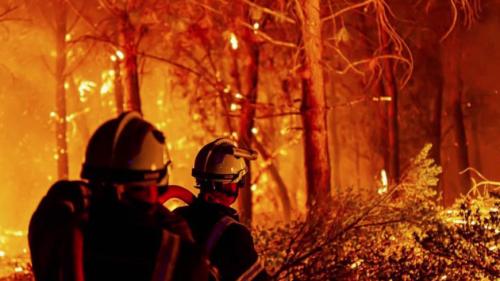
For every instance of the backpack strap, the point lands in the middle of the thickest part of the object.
(214, 237)
(252, 271)
(217, 232)
(167, 256)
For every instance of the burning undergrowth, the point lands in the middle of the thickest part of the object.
(401, 234)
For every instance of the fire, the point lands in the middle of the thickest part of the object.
(234, 107)
(356, 264)
(120, 54)
(383, 179)
(85, 87)
(107, 77)
(233, 40)
(256, 27)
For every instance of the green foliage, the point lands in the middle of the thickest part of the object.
(400, 235)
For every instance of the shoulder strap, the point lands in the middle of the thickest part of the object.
(217, 232)
(167, 256)
(252, 271)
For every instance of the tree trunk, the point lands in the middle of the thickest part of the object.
(435, 70)
(437, 117)
(390, 90)
(118, 87)
(60, 77)
(128, 45)
(246, 125)
(313, 108)
(437, 127)
(476, 133)
(336, 149)
(453, 91)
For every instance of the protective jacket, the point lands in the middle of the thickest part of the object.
(78, 234)
(228, 243)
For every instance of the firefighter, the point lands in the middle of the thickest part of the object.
(220, 171)
(111, 226)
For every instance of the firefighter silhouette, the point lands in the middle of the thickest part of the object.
(110, 225)
(220, 171)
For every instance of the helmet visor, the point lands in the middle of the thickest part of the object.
(229, 189)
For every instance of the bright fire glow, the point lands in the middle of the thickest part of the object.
(356, 264)
(84, 87)
(383, 98)
(383, 179)
(108, 81)
(234, 107)
(233, 40)
(120, 54)
(256, 26)
(17, 233)
(255, 130)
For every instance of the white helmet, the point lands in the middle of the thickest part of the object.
(221, 162)
(126, 149)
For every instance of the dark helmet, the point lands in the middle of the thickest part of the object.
(126, 149)
(221, 162)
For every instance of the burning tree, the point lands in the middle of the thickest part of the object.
(62, 22)
(217, 55)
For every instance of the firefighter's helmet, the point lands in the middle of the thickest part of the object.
(126, 149)
(221, 162)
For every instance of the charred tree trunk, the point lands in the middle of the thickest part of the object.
(475, 128)
(60, 77)
(437, 117)
(390, 90)
(453, 91)
(246, 125)
(128, 45)
(437, 127)
(313, 108)
(336, 151)
(118, 87)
